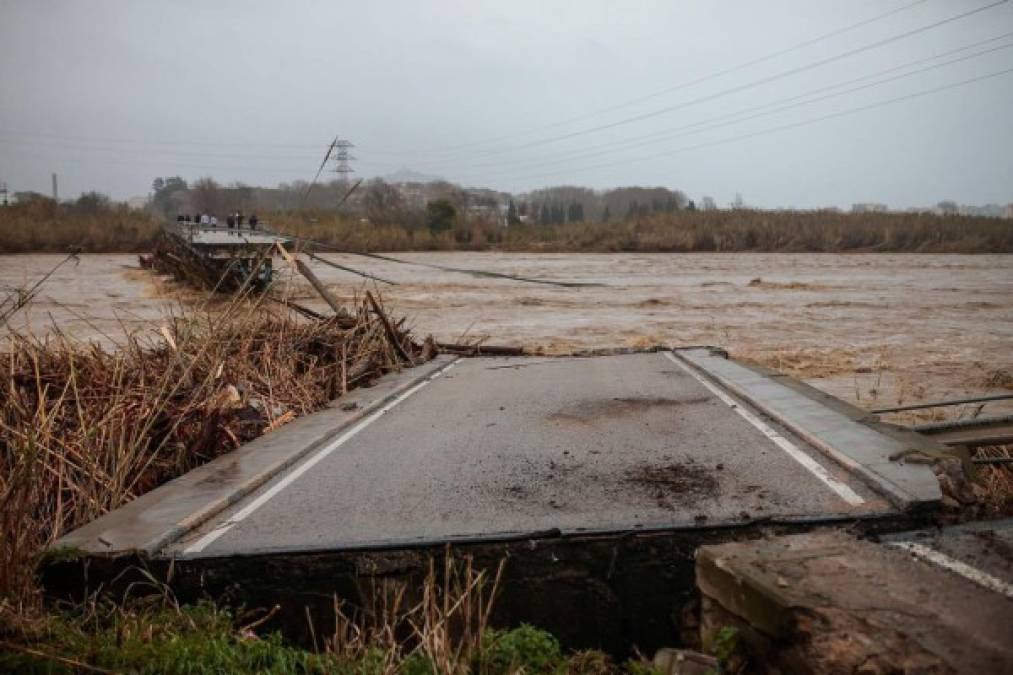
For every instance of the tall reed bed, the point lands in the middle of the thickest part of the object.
(85, 428)
(44, 226)
(682, 231)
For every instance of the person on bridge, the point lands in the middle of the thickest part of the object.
(205, 219)
(253, 221)
(230, 221)
(214, 221)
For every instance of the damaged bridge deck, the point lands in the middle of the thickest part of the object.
(497, 450)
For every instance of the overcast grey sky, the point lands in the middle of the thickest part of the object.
(510, 95)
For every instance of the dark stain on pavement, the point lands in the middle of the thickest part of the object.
(589, 411)
(682, 484)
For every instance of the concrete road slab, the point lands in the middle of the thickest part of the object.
(868, 448)
(505, 447)
(930, 601)
(985, 547)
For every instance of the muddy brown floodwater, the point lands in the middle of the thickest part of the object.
(869, 328)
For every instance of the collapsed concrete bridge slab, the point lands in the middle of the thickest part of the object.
(597, 477)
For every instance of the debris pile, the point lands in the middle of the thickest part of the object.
(84, 428)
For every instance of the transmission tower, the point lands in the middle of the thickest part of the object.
(342, 158)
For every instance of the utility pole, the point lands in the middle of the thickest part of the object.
(341, 159)
(56, 194)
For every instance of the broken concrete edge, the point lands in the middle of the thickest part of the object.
(871, 474)
(831, 600)
(972, 527)
(871, 524)
(546, 582)
(592, 352)
(146, 525)
(740, 595)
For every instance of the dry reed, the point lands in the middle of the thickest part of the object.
(85, 429)
(42, 225)
(683, 231)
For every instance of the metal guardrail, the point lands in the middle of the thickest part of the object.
(943, 404)
(954, 425)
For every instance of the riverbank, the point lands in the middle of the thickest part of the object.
(44, 226)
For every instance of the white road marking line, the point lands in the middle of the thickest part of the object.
(963, 569)
(843, 490)
(308, 464)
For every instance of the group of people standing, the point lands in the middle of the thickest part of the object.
(232, 221)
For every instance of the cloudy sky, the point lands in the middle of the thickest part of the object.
(788, 102)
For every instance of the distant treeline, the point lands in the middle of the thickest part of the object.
(97, 225)
(678, 231)
(91, 222)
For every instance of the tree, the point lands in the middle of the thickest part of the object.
(206, 196)
(738, 203)
(606, 215)
(440, 215)
(948, 207)
(574, 212)
(165, 193)
(708, 204)
(382, 202)
(558, 214)
(544, 216)
(691, 206)
(512, 217)
(91, 202)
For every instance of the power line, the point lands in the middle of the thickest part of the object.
(750, 85)
(696, 81)
(634, 101)
(139, 141)
(147, 152)
(815, 120)
(737, 117)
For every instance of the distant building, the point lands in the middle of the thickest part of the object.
(869, 207)
(1008, 213)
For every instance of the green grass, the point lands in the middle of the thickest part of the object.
(201, 639)
(192, 640)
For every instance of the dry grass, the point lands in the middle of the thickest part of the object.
(84, 429)
(42, 225)
(444, 621)
(995, 482)
(743, 230)
(803, 363)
